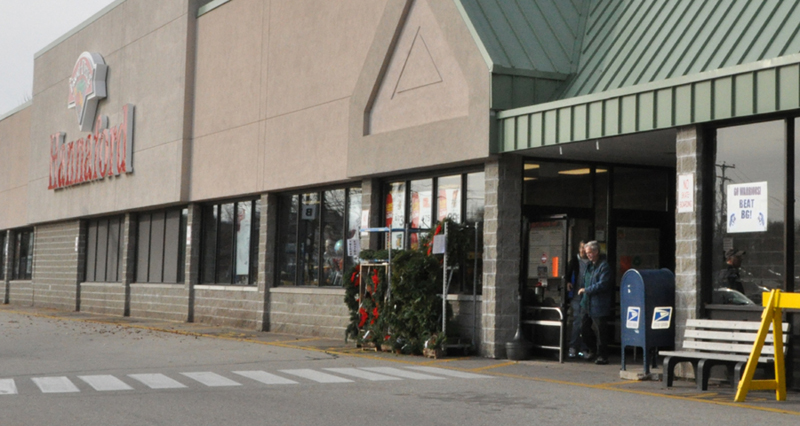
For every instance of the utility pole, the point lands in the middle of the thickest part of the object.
(723, 204)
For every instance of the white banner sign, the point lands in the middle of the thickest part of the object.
(686, 193)
(354, 247)
(747, 207)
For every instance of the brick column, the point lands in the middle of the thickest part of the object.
(128, 258)
(371, 202)
(688, 234)
(502, 253)
(267, 242)
(6, 265)
(191, 274)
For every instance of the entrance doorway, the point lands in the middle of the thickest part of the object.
(628, 210)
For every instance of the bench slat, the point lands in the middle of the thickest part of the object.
(726, 347)
(730, 336)
(728, 325)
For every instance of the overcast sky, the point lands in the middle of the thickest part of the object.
(27, 26)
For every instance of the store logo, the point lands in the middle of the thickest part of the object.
(633, 317)
(87, 86)
(108, 151)
(662, 317)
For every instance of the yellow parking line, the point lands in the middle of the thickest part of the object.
(313, 339)
(619, 383)
(489, 367)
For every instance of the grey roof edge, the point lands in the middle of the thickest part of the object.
(208, 7)
(656, 85)
(16, 110)
(475, 37)
(80, 26)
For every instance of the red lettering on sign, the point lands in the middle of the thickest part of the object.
(106, 153)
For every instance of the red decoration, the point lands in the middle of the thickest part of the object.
(364, 315)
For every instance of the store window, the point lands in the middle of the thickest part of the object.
(313, 228)
(161, 246)
(749, 212)
(437, 197)
(104, 249)
(22, 269)
(229, 246)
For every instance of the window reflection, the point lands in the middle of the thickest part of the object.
(353, 222)
(230, 243)
(313, 229)
(431, 200)
(476, 192)
(748, 212)
(421, 208)
(333, 236)
(287, 239)
(449, 198)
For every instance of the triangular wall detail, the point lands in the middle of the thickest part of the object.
(422, 82)
(419, 69)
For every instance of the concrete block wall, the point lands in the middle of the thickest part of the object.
(228, 306)
(308, 311)
(169, 302)
(20, 293)
(688, 232)
(103, 298)
(501, 254)
(58, 252)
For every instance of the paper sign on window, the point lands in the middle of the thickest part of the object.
(686, 193)
(746, 207)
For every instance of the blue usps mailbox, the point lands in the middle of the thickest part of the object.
(647, 309)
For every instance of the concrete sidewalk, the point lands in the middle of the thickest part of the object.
(570, 373)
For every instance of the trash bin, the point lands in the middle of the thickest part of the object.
(647, 308)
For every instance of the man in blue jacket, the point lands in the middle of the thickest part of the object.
(599, 290)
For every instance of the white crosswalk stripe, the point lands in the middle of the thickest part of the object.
(157, 381)
(266, 378)
(55, 384)
(450, 373)
(316, 376)
(8, 387)
(402, 373)
(361, 374)
(211, 379)
(105, 382)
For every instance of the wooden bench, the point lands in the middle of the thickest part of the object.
(719, 342)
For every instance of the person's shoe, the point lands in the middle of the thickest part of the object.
(588, 356)
(572, 353)
(601, 360)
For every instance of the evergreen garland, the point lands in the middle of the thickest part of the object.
(413, 315)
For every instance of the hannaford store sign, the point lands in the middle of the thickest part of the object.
(106, 152)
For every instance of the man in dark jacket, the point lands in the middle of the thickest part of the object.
(581, 322)
(599, 290)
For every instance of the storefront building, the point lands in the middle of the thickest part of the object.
(204, 161)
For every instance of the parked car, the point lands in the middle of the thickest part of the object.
(726, 296)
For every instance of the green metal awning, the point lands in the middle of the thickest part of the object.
(762, 87)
